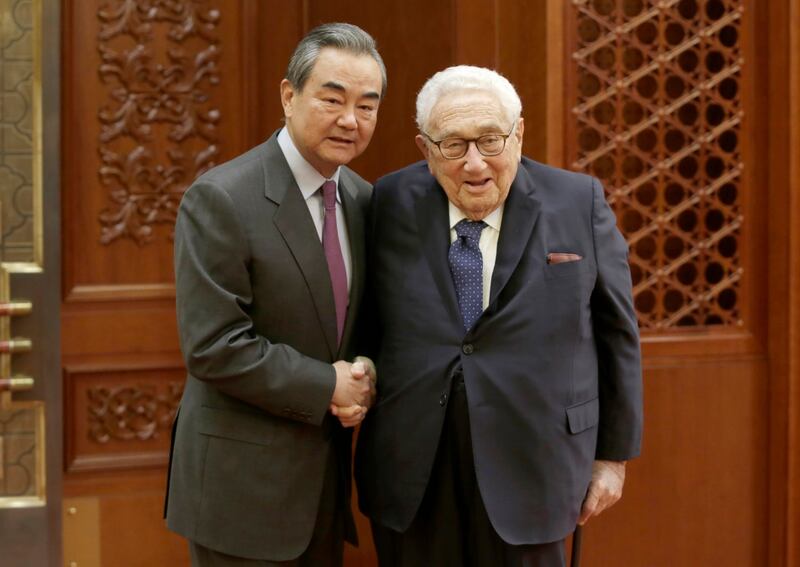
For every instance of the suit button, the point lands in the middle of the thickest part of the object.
(443, 400)
(467, 348)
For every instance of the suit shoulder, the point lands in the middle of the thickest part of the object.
(549, 174)
(230, 175)
(560, 183)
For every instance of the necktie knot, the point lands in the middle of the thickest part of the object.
(329, 194)
(470, 229)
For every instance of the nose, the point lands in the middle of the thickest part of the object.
(347, 119)
(474, 159)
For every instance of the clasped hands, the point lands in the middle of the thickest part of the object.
(355, 390)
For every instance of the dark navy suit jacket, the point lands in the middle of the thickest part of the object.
(552, 367)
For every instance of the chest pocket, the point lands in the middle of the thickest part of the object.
(565, 269)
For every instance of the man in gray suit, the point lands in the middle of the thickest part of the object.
(510, 390)
(269, 264)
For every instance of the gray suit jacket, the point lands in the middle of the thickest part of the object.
(257, 327)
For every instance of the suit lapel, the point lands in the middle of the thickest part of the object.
(355, 232)
(520, 214)
(295, 225)
(434, 228)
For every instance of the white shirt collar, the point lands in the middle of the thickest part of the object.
(493, 219)
(308, 179)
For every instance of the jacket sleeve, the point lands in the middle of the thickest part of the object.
(617, 338)
(217, 336)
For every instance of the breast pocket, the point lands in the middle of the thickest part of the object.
(565, 269)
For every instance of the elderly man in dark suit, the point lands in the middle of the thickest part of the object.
(269, 264)
(510, 389)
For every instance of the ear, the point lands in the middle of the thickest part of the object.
(423, 146)
(287, 97)
(518, 133)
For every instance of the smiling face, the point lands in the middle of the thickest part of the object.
(475, 183)
(331, 120)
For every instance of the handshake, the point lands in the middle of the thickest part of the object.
(355, 390)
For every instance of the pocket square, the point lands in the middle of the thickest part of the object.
(561, 257)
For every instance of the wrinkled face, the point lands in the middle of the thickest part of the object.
(331, 120)
(475, 183)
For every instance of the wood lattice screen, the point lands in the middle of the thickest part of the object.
(656, 115)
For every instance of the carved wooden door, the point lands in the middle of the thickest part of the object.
(153, 95)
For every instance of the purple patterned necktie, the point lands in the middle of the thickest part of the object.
(333, 254)
(466, 266)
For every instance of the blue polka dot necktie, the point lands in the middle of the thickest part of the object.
(466, 266)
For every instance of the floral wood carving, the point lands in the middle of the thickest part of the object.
(158, 128)
(132, 412)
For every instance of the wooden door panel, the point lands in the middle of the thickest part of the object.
(153, 96)
(696, 496)
(120, 417)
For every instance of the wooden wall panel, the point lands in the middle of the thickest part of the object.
(120, 416)
(109, 328)
(136, 540)
(703, 490)
(125, 508)
(145, 112)
(779, 82)
(697, 496)
(415, 39)
(793, 334)
(522, 51)
(153, 93)
(138, 513)
(270, 30)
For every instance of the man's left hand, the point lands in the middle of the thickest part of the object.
(366, 369)
(362, 369)
(608, 478)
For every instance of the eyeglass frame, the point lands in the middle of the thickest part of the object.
(471, 140)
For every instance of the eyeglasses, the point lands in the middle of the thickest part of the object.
(488, 145)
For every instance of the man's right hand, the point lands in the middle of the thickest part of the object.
(359, 385)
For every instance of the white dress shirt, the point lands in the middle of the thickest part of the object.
(488, 243)
(309, 180)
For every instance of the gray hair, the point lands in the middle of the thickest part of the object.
(346, 37)
(466, 77)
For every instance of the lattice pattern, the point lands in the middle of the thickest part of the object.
(18, 434)
(16, 125)
(658, 119)
(159, 109)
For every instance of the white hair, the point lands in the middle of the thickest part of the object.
(466, 77)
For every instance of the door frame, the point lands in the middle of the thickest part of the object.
(32, 536)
